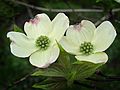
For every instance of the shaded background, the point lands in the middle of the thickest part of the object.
(12, 69)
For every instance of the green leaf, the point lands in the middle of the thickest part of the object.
(44, 87)
(17, 29)
(52, 71)
(52, 84)
(84, 69)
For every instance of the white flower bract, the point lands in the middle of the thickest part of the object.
(87, 42)
(40, 40)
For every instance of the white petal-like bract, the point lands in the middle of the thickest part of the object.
(89, 29)
(94, 58)
(40, 25)
(59, 25)
(43, 59)
(69, 45)
(104, 36)
(21, 46)
(20, 51)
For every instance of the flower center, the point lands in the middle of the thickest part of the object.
(43, 42)
(86, 48)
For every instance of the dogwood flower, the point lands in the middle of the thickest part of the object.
(87, 42)
(39, 42)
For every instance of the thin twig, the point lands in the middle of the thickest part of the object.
(102, 80)
(55, 10)
(88, 86)
(20, 80)
(99, 73)
(77, 14)
(116, 10)
(108, 16)
(26, 76)
(101, 20)
(29, 12)
(105, 78)
(117, 21)
(60, 10)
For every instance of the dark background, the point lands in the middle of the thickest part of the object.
(12, 69)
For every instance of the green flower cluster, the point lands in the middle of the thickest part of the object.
(86, 48)
(43, 42)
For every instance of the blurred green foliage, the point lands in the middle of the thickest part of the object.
(13, 68)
